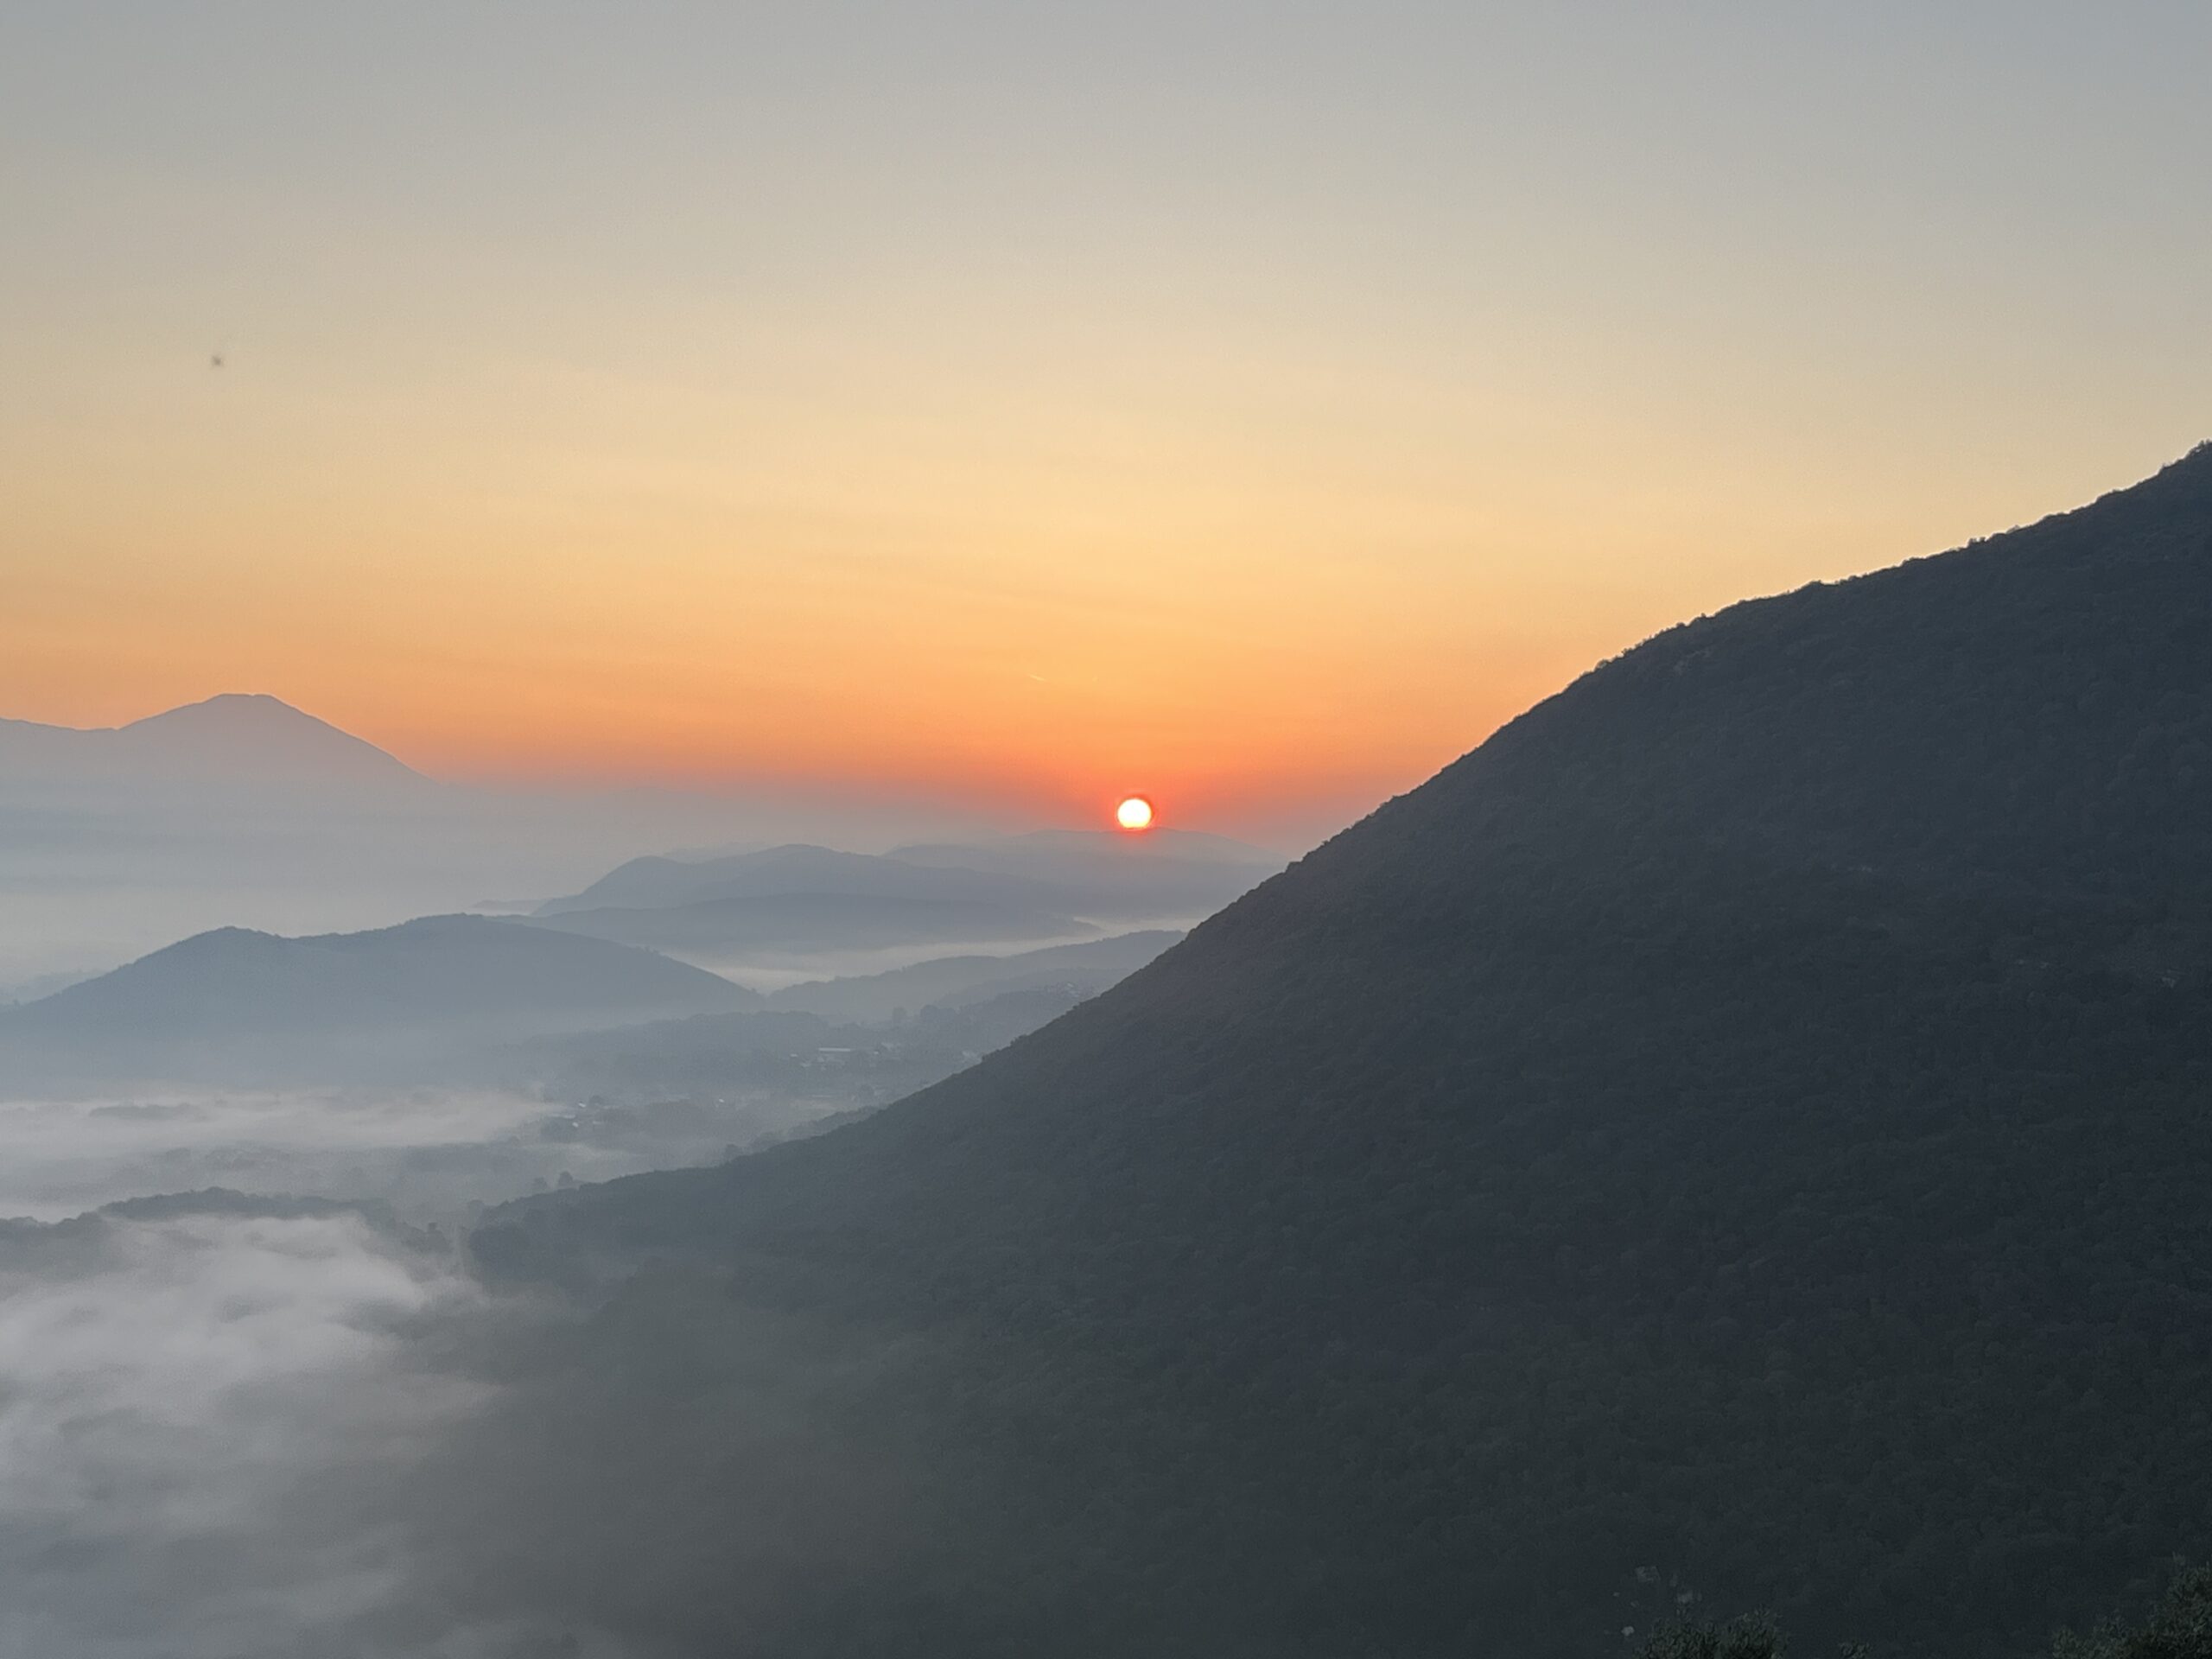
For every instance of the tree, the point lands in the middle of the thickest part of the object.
(2180, 1627)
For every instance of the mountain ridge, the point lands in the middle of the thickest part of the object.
(225, 738)
(1745, 1116)
(237, 1002)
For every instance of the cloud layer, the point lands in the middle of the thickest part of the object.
(204, 1416)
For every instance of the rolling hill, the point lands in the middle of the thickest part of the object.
(797, 926)
(1161, 876)
(241, 1007)
(1741, 1134)
(795, 904)
(956, 982)
(1165, 874)
(661, 883)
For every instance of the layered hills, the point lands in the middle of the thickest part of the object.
(797, 904)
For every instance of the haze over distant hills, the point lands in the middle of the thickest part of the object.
(235, 740)
(1161, 875)
(236, 810)
(1091, 874)
(245, 1008)
(243, 810)
(661, 883)
(785, 928)
(959, 982)
(789, 904)
(1741, 1133)
(795, 903)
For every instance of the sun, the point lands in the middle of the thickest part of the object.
(1134, 813)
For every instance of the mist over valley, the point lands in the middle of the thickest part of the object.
(906, 1265)
(927, 832)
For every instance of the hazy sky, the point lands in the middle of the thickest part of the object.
(1251, 403)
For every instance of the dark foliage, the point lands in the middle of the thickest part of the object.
(1752, 1119)
(1742, 1639)
(2179, 1628)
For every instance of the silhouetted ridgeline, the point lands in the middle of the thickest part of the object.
(1751, 1119)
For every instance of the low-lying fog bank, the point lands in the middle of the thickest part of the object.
(428, 1155)
(209, 1407)
(254, 1402)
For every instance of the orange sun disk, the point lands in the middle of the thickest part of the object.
(1134, 813)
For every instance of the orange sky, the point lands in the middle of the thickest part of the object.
(1255, 426)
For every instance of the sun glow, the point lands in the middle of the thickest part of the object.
(1134, 813)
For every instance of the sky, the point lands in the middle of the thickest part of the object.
(1251, 405)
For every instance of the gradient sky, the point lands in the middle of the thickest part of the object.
(1251, 404)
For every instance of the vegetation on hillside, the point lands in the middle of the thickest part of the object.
(1749, 1120)
(2179, 1627)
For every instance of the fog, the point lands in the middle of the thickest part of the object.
(424, 1154)
(254, 1399)
(243, 812)
(210, 1404)
(204, 1415)
(771, 970)
(84, 891)
(274, 1412)
(224, 1411)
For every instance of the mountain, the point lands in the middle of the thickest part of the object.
(236, 809)
(958, 982)
(1163, 872)
(1742, 1133)
(240, 1007)
(1158, 876)
(226, 741)
(658, 883)
(782, 905)
(243, 810)
(801, 925)
(791, 904)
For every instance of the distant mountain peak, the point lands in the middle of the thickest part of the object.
(238, 700)
(255, 714)
(235, 736)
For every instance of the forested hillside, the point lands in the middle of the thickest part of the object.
(1749, 1121)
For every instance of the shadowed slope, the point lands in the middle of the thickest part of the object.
(1749, 1117)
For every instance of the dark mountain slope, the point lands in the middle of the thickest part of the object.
(238, 1006)
(1749, 1119)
